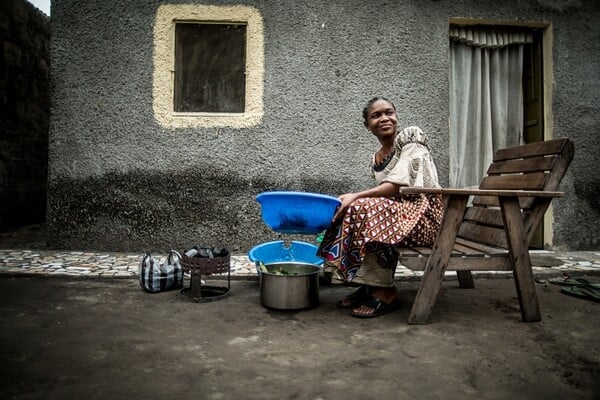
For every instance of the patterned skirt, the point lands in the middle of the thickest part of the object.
(360, 248)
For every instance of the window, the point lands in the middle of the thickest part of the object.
(208, 66)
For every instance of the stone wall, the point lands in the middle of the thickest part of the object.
(24, 113)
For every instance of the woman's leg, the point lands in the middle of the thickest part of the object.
(356, 298)
(377, 271)
(358, 249)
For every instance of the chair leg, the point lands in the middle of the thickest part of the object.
(438, 261)
(426, 297)
(465, 279)
(519, 255)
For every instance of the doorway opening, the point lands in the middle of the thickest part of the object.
(500, 76)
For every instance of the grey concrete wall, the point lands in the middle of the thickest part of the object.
(576, 115)
(24, 113)
(119, 181)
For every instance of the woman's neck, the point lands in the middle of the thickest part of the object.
(387, 144)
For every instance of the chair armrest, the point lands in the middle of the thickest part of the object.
(480, 192)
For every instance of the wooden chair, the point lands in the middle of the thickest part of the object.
(492, 234)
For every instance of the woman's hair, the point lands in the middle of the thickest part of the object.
(373, 100)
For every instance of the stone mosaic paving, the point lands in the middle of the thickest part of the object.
(125, 265)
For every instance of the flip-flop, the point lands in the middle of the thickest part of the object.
(586, 282)
(356, 298)
(583, 291)
(574, 282)
(379, 307)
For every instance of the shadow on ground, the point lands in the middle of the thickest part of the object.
(106, 339)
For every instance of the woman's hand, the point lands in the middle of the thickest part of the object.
(386, 189)
(346, 200)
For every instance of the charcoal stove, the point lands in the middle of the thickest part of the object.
(198, 266)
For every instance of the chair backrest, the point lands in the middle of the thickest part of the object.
(533, 166)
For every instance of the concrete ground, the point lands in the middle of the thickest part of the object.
(72, 338)
(85, 334)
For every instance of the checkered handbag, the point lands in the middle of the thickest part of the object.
(159, 277)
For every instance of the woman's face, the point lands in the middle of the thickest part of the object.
(381, 119)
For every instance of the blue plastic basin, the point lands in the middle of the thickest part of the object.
(276, 252)
(297, 212)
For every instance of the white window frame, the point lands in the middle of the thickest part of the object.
(167, 16)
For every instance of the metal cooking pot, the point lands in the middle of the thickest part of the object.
(298, 289)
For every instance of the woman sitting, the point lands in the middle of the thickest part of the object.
(359, 246)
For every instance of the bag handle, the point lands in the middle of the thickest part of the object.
(173, 257)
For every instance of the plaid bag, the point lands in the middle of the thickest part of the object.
(156, 277)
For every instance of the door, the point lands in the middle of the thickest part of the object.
(496, 97)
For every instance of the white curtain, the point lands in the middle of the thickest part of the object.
(486, 98)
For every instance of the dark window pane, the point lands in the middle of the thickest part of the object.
(210, 64)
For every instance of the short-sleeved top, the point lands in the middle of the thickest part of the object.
(411, 164)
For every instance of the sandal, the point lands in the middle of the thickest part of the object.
(379, 307)
(583, 291)
(568, 281)
(578, 287)
(355, 298)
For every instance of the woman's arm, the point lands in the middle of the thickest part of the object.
(386, 189)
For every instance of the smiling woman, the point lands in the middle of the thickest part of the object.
(42, 5)
(359, 247)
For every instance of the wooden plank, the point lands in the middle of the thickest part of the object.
(423, 251)
(531, 150)
(413, 263)
(483, 234)
(438, 261)
(481, 192)
(492, 201)
(486, 201)
(479, 263)
(490, 251)
(484, 216)
(468, 251)
(407, 252)
(496, 263)
(461, 248)
(519, 255)
(530, 181)
(540, 163)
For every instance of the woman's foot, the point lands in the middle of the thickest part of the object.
(381, 301)
(355, 298)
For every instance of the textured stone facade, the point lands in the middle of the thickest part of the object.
(119, 179)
